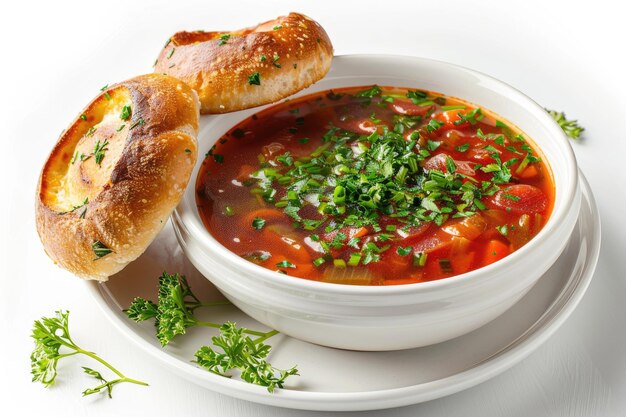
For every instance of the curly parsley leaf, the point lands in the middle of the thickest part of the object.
(174, 313)
(53, 343)
(238, 351)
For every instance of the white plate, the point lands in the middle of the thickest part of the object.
(339, 380)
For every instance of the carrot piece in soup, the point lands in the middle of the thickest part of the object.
(494, 251)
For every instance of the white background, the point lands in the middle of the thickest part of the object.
(567, 55)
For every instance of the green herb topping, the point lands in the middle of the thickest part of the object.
(223, 39)
(570, 127)
(258, 223)
(100, 249)
(126, 112)
(254, 79)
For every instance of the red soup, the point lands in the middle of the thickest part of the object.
(374, 186)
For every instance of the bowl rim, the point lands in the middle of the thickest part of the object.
(198, 231)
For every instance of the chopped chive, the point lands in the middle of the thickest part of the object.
(339, 263)
(459, 107)
(419, 259)
(319, 261)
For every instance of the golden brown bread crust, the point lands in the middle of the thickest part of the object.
(120, 197)
(288, 53)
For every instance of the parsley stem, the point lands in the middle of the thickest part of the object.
(266, 336)
(193, 306)
(208, 324)
(215, 303)
(105, 363)
(64, 355)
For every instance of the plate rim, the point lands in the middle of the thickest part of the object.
(536, 334)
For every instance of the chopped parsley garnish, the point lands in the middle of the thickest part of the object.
(275, 59)
(433, 125)
(472, 117)
(277, 27)
(511, 196)
(254, 79)
(100, 249)
(285, 264)
(126, 112)
(462, 148)
(99, 149)
(106, 93)
(258, 223)
(370, 92)
(432, 145)
(223, 39)
(352, 182)
(404, 251)
(83, 116)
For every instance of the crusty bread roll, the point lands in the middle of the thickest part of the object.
(234, 70)
(116, 174)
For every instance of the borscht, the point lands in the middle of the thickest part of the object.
(374, 186)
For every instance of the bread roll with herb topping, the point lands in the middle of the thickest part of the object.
(116, 174)
(235, 70)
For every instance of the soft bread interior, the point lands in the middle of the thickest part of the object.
(82, 168)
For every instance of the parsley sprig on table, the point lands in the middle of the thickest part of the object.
(570, 127)
(53, 343)
(174, 313)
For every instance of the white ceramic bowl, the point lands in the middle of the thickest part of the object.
(401, 316)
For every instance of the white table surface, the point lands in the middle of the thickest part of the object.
(567, 55)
